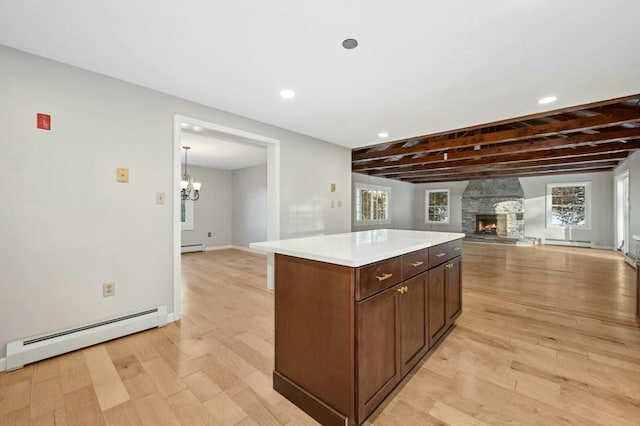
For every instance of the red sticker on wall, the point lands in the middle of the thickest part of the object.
(44, 121)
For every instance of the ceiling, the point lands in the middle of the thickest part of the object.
(421, 67)
(220, 151)
(589, 138)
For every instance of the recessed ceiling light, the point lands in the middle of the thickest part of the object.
(547, 100)
(287, 93)
(350, 43)
(383, 134)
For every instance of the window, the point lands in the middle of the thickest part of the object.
(186, 215)
(436, 206)
(372, 204)
(568, 205)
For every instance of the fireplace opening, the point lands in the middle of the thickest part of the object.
(487, 224)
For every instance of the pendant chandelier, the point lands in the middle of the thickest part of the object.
(189, 190)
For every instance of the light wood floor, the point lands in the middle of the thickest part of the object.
(545, 338)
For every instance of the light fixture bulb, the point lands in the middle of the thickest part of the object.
(547, 100)
(287, 94)
(196, 186)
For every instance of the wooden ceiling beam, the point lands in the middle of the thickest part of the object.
(611, 118)
(516, 168)
(522, 156)
(509, 148)
(507, 165)
(490, 175)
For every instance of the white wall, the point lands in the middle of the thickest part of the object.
(632, 164)
(455, 221)
(401, 202)
(602, 208)
(308, 169)
(69, 226)
(212, 212)
(249, 205)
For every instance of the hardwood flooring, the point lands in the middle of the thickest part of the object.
(546, 337)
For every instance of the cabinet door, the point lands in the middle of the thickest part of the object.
(377, 350)
(437, 296)
(413, 316)
(454, 290)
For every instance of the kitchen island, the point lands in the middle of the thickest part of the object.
(355, 312)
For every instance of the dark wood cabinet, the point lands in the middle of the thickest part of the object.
(413, 306)
(453, 285)
(378, 367)
(346, 337)
(437, 322)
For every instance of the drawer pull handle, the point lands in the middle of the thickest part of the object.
(456, 249)
(383, 277)
(440, 254)
(416, 264)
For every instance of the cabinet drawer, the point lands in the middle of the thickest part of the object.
(438, 254)
(455, 248)
(414, 263)
(444, 252)
(376, 277)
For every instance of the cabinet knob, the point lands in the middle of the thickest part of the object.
(383, 277)
(406, 289)
(401, 290)
(416, 264)
(440, 254)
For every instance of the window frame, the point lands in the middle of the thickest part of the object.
(187, 224)
(587, 204)
(426, 206)
(357, 207)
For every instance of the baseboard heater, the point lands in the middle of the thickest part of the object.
(32, 349)
(572, 243)
(192, 248)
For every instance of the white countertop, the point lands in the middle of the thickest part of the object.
(357, 248)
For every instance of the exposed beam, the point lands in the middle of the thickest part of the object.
(490, 175)
(507, 165)
(523, 156)
(612, 118)
(510, 148)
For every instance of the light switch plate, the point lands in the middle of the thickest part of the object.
(122, 175)
(108, 289)
(159, 197)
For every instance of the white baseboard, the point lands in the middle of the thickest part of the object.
(3, 364)
(249, 250)
(171, 317)
(217, 248)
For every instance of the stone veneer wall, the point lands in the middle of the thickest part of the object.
(494, 196)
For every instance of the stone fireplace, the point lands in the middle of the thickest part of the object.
(493, 207)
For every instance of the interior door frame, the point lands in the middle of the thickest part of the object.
(273, 194)
(625, 214)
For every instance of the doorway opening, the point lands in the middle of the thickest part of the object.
(273, 191)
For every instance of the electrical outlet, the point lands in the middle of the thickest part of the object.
(209, 235)
(159, 197)
(108, 289)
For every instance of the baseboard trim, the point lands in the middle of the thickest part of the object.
(249, 250)
(217, 248)
(3, 364)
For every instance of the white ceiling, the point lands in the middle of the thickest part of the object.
(421, 66)
(217, 151)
